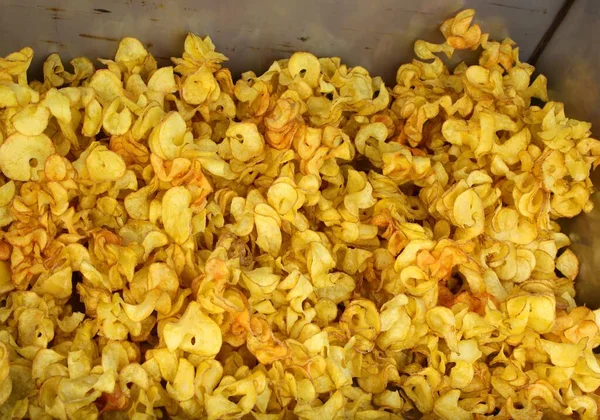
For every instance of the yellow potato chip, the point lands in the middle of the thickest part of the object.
(31, 120)
(106, 85)
(194, 333)
(104, 165)
(176, 214)
(21, 156)
(169, 137)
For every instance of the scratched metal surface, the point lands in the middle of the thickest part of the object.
(376, 34)
(572, 63)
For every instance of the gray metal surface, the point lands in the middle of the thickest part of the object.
(572, 63)
(376, 34)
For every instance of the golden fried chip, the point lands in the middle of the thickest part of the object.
(21, 156)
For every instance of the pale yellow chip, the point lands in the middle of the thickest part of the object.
(104, 165)
(21, 156)
(31, 120)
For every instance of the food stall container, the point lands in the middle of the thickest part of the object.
(558, 36)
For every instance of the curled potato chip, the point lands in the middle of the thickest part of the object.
(447, 407)
(268, 228)
(4, 374)
(458, 31)
(131, 53)
(199, 87)
(306, 66)
(58, 284)
(92, 121)
(21, 156)
(104, 165)
(194, 333)
(169, 137)
(31, 120)
(176, 214)
(58, 105)
(468, 214)
(245, 141)
(106, 85)
(362, 318)
(117, 118)
(83, 69)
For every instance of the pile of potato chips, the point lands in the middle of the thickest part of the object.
(307, 243)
